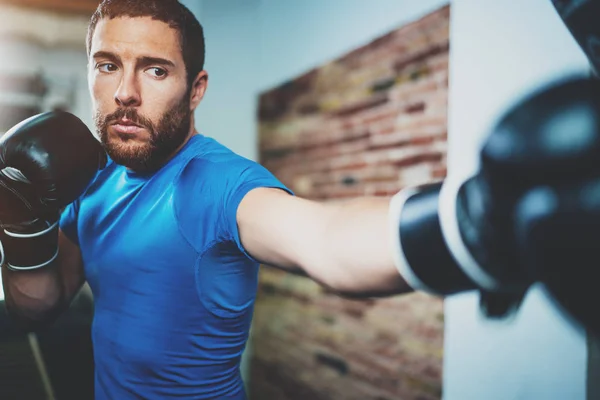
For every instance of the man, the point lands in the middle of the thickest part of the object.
(170, 233)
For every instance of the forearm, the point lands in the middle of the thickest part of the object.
(33, 298)
(36, 297)
(357, 249)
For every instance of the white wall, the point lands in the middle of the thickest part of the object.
(500, 51)
(232, 61)
(253, 45)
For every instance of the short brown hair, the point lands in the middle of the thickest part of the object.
(171, 12)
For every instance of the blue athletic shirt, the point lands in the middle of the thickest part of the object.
(173, 287)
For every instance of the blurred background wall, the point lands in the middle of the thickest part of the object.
(255, 45)
(502, 51)
(43, 63)
(368, 123)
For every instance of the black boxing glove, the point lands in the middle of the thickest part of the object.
(581, 19)
(557, 225)
(46, 162)
(547, 139)
(420, 249)
(558, 233)
(460, 236)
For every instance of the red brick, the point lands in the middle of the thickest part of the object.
(309, 343)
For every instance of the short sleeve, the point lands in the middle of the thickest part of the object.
(250, 176)
(68, 221)
(209, 193)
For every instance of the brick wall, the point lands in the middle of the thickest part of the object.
(368, 123)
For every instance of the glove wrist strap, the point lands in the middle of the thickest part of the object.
(29, 251)
(422, 255)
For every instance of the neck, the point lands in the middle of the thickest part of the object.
(190, 134)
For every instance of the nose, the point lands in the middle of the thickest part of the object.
(128, 94)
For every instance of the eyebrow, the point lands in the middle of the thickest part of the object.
(143, 60)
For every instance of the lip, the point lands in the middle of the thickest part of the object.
(126, 127)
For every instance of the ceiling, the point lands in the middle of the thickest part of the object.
(85, 7)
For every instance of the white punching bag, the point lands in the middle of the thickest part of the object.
(499, 52)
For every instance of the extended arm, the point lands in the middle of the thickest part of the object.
(344, 246)
(439, 238)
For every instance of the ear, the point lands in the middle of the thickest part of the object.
(198, 89)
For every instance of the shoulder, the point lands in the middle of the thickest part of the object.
(209, 174)
(210, 149)
(216, 174)
(210, 187)
(202, 189)
(214, 165)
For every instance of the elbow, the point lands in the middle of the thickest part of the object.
(360, 293)
(32, 319)
(351, 287)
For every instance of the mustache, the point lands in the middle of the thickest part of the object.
(130, 114)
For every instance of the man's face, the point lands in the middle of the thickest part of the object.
(140, 95)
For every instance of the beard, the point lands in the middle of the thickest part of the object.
(166, 136)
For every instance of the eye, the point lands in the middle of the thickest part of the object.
(157, 72)
(107, 67)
